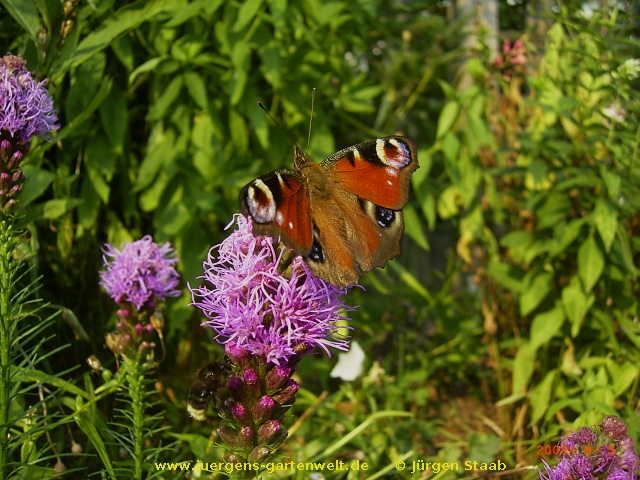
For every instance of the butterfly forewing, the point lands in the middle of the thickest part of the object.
(377, 170)
(278, 204)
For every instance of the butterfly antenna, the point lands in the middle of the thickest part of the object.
(276, 122)
(313, 98)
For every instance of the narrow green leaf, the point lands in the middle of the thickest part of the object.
(114, 116)
(197, 89)
(590, 262)
(58, 207)
(622, 375)
(125, 19)
(147, 66)
(240, 59)
(545, 326)
(541, 396)
(95, 102)
(38, 180)
(448, 116)
(605, 217)
(576, 303)
(523, 366)
(90, 430)
(413, 227)
(247, 11)
(25, 12)
(166, 99)
(536, 287)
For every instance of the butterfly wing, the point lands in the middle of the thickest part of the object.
(377, 170)
(278, 204)
(357, 216)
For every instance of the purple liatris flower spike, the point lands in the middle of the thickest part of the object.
(256, 307)
(25, 110)
(140, 273)
(269, 312)
(598, 453)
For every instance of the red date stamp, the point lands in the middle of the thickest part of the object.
(587, 450)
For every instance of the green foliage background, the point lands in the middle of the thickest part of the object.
(518, 280)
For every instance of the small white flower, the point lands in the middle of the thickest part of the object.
(349, 366)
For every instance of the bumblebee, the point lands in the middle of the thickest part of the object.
(210, 385)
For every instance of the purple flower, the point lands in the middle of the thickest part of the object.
(25, 107)
(253, 305)
(604, 452)
(139, 273)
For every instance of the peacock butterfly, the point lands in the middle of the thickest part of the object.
(343, 215)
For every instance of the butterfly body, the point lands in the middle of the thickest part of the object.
(343, 215)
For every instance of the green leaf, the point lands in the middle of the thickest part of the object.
(565, 234)
(605, 217)
(537, 285)
(125, 19)
(545, 326)
(58, 207)
(413, 227)
(38, 180)
(247, 11)
(95, 102)
(622, 375)
(87, 426)
(86, 81)
(448, 202)
(507, 275)
(576, 303)
(238, 128)
(25, 13)
(240, 58)
(197, 89)
(590, 262)
(167, 98)
(523, 366)
(447, 118)
(114, 116)
(541, 396)
(148, 66)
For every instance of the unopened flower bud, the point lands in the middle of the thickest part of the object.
(263, 409)
(228, 435)
(15, 190)
(15, 160)
(252, 382)
(9, 206)
(245, 437)
(240, 414)
(287, 394)
(268, 430)
(5, 150)
(276, 377)
(259, 454)
(613, 426)
(236, 389)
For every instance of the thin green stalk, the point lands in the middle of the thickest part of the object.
(5, 340)
(135, 386)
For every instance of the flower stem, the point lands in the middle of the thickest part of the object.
(6, 330)
(134, 379)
